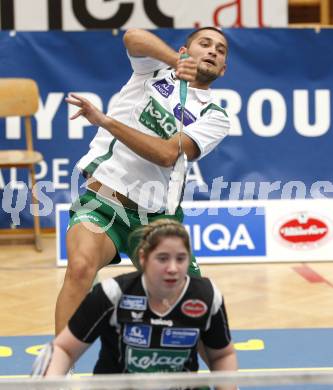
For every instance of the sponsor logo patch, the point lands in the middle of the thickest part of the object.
(303, 230)
(133, 302)
(138, 335)
(156, 118)
(179, 337)
(137, 317)
(164, 88)
(155, 360)
(160, 321)
(194, 308)
(188, 116)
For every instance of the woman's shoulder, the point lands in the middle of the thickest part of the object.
(128, 276)
(201, 281)
(115, 288)
(202, 287)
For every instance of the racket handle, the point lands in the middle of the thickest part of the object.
(183, 86)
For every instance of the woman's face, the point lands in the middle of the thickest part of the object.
(166, 266)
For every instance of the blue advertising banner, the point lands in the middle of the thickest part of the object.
(277, 90)
(217, 233)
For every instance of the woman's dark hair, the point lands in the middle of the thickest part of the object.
(151, 235)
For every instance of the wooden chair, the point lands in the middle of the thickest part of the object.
(20, 97)
(324, 6)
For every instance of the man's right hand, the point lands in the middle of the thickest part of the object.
(186, 68)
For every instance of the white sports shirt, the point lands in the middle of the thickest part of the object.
(149, 103)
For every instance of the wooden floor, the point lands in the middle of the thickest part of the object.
(258, 296)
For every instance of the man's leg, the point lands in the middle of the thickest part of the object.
(88, 249)
(193, 269)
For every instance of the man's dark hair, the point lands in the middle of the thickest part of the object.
(190, 37)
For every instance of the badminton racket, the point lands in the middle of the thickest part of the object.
(43, 360)
(178, 175)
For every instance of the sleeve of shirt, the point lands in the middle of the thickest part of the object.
(145, 65)
(92, 316)
(217, 334)
(209, 130)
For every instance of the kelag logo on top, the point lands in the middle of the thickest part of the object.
(216, 232)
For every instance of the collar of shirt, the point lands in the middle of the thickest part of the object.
(203, 95)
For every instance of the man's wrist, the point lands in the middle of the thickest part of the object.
(106, 122)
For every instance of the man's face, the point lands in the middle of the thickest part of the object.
(209, 49)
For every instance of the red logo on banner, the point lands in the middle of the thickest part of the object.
(303, 230)
(194, 308)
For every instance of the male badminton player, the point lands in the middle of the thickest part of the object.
(131, 158)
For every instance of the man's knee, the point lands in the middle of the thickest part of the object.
(81, 268)
(88, 251)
